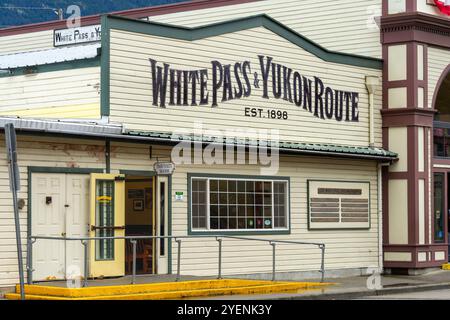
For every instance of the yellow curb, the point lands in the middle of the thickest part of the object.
(250, 290)
(446, 266)
(170, 290)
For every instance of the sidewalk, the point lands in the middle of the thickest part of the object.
(356, 287)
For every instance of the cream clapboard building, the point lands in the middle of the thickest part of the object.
(94, 117)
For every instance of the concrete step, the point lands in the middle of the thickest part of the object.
(171, 290)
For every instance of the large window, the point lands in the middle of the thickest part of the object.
(239, 204)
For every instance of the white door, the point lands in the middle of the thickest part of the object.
(77, 211)
(60, 207)
(47, 219)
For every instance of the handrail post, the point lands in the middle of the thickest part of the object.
(178, 259)
(30, 243)
(220, 258)
(133, 278)
(322, 265)
(273, 244)
(86, 273)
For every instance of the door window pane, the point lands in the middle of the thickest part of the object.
(104, 215)
(199, 203)
(439, 215)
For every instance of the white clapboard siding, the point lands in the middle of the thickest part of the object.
(438, 61)
(62, 94)
(33, 151)
(344, 25)
(25, 42)
(131, 86)
(345, 248)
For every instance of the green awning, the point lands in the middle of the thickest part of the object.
(317, 149)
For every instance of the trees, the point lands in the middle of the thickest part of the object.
(13, 12)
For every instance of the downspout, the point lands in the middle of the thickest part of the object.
(372, 84)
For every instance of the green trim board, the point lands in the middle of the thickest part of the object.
(59, 66)
(220, 28)
(191, 175)
(169, 226)
(343, 181)
(142, 173)
(35, 169)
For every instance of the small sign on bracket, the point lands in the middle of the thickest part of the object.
(164, 168)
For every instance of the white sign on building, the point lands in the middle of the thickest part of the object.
(70, 36)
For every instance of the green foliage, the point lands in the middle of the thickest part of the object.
(13, 16)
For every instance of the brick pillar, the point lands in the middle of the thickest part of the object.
(407, 129)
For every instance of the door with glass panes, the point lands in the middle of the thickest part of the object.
(107, 219)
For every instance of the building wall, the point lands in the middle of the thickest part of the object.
(353, 28)
(56, 94)
(344, 25)
(32, 41)
(32, 151)
(438, 61)
(428, 6)
(345, 248)
(131, 86)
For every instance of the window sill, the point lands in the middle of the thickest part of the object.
(238, 233)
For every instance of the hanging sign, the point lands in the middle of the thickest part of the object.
(70, 36)
(444, 6)
(164, 168)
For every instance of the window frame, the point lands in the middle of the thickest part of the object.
(208, 231)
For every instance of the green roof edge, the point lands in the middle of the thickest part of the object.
(220, 28)
(284, 145)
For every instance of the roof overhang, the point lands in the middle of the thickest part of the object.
(50, 56)
(102, 131)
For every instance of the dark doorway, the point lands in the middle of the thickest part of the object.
(139, 221)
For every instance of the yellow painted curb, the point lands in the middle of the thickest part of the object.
(170, 290)
(446, 266)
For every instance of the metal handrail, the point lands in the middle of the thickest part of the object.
(177, 239)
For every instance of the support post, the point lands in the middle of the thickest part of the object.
(133, 278)
(178, 259)
(220, 258)
(86, 264)
(29, 260)
(273, 244)
(322, 265)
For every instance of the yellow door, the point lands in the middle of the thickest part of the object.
(107, 219)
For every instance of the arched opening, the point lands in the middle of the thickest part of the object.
(441, 143)
(442, 117)
(442, 101)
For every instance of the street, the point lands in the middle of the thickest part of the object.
(423, 295)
